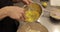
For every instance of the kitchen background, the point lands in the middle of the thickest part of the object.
(52, 26)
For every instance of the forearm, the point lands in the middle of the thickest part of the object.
(2, 14)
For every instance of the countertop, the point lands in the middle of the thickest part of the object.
(45, 20)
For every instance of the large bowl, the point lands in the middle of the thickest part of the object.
(34, 7)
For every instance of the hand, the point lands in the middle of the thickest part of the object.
(27, 1)
(15, 12)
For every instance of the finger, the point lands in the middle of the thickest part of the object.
(30, 1)
(19, 17)
(26, 1)
(22, 18)
(22, 11)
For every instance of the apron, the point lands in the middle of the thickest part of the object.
(8, 24)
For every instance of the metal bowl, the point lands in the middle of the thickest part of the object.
(34, 7)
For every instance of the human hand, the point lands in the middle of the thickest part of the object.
(15, 12)
(27, 1)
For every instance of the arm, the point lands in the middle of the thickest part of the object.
(2, 13)
(13, 12)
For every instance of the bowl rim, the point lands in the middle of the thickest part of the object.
(41, 9)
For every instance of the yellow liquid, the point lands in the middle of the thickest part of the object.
(33, 12)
